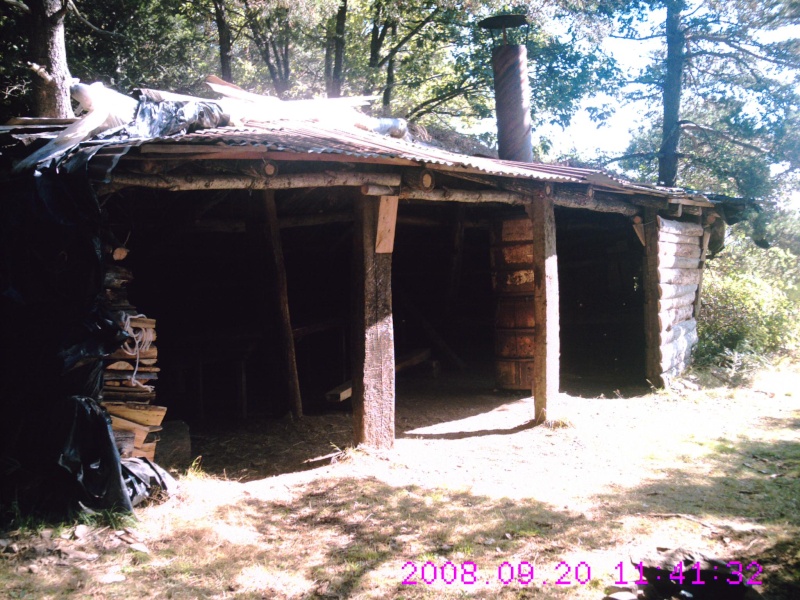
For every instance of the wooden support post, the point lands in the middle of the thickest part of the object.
(267, 217)
(702, 267)
(373, 328)
(652, 329)
(456, 259)
(546, 347)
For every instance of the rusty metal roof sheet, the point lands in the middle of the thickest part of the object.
(320, 138)
(312, 137)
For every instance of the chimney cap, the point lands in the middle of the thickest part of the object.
(505, 21)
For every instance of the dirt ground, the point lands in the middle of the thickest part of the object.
(473, 501)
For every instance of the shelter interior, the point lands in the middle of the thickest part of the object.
(198, 269)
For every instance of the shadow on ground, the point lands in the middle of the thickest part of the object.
(353, 537)
(758, 482)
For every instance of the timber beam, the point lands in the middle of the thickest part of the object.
(546, 345)
(567, 198)
(395, 184)
(373, 328)
(240, 182)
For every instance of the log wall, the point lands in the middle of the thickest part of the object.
(679, 264)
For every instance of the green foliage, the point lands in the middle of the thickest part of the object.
(15, 85)
(430, 62)
(751, 301)
(162, 44)
(738, 96)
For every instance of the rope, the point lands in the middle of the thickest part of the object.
(142, 340)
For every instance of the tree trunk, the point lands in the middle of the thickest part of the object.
(274, 52)
(225, 40)
(48, 55)
(673, 81)
(334, 54)
(387, 91)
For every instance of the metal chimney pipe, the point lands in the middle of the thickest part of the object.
(512, 103)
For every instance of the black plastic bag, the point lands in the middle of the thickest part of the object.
(144, 480)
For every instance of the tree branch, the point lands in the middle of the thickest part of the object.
(739, 47)
(627, 156)
(688, 125)
(637, 39)
(404, 40)
(20, 6)
(431, 103)
(74, 10)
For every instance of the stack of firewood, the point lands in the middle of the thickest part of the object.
(130, 372)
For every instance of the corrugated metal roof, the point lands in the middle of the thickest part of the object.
(312, 137)
(321, 138)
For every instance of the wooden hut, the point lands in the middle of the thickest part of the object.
(628, 258)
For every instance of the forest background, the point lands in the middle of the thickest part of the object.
(713, 104)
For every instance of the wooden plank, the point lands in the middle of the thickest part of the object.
(652, 328)
(147, 450)
(679, 227)
(128, 394)
(638, 228)
(143, 414)
(340, 393)
(373, 334)
(120, 365)
(387, 221)
(143, 323)
(129, 365)
(412, 359)
(140, 431)
(698, 298)
(120, 354)
(545, 305)
(276, 277)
